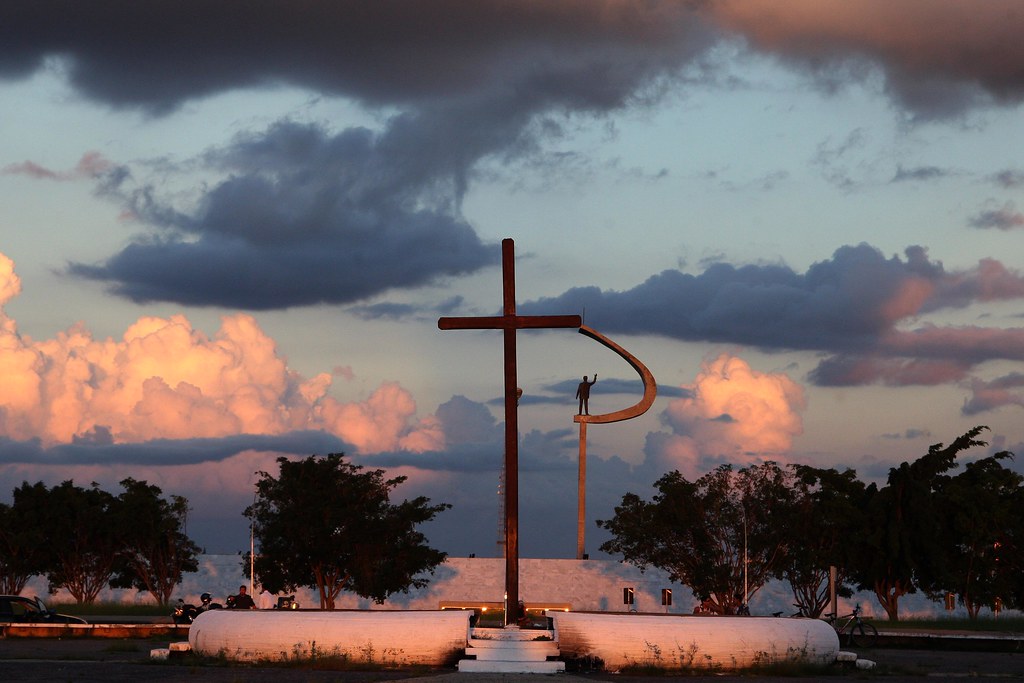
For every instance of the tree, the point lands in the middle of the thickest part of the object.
(155, 550)
(901, 545)
(82, 535)
(828, 511)
(22, 549)
(978, 516)
(699, 532)
(325, 523)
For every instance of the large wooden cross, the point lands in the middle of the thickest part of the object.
(509, 322)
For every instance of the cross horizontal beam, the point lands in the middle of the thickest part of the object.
(510, 322)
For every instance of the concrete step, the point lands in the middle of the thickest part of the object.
(485, 666)
(511, 651)
(513, 644)
(511, 633)
(510, 655)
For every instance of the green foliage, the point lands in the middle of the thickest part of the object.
(22, 548)
(155, 551)
(924, 530)
(828, 511)
(699, 531)
(81, 531)
(980, 516)
(84, 539)
(903, 544)
(325, 523)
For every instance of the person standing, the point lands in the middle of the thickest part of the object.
(583, 394)
(241, 601)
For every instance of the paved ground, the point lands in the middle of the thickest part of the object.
(123, 661)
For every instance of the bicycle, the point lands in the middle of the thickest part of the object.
(801, 612)
(858, 632)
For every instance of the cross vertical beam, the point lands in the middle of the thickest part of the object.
(508, 295)
(509, 322)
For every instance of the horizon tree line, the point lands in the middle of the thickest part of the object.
(326, 524)
(926, 529)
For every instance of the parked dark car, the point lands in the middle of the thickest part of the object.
(22, 610)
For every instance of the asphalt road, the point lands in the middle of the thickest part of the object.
(121, 661)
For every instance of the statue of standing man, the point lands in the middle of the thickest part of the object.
(583, 394)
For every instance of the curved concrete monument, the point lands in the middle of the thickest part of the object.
(381, 637)
(692, 642)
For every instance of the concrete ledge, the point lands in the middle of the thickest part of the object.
(374, 637)
(92, 631)
(475, 666)
(692, 642)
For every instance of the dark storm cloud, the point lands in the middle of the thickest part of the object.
(160, 53)
(303, 217)
(938, 58)
(166, 451)
(849, 306)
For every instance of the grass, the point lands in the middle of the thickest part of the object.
(319, 659)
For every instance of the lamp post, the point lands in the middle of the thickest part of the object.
(744, 554)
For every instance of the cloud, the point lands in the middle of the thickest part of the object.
(1007, 390)
(851, 370)
(91, 165)
(302, 217)
(388, 310)
(919, 173)
(577, 52)
(166, 383)
(1009, 178)
(167, 452)
(834, 159)
(1005, 218)
(854, 306)
(733, 414)
(938, 58)
(909, 434)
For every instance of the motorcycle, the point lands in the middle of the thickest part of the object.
(185, 613)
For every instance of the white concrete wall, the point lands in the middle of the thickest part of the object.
(585, 584)
(388, 638)
(692, 642)
(589, 584)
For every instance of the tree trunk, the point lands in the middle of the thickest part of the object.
(889, 598)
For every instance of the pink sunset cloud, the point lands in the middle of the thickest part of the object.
(91, 165)
(164, 379)
(735, 413)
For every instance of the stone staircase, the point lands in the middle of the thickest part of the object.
(511, 650)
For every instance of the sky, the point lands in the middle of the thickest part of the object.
(229, 229)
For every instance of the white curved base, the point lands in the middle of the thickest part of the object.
(692, 642)
(378, 637)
